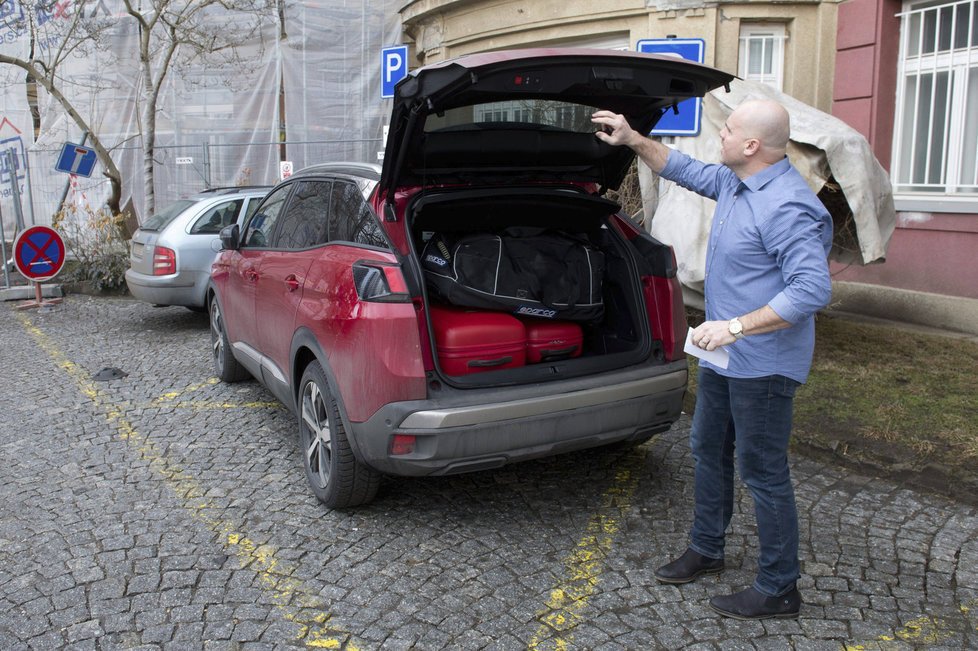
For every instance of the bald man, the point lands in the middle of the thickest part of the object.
(766, 277)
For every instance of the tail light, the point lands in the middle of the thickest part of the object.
(164, 261)
(666, 311)
(663, 292)
(402, 444)
(380, 283)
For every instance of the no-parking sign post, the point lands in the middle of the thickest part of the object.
(39, 255)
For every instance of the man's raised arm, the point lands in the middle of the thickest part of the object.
(615, 130)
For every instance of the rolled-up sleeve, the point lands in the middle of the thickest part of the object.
(696, 176)
(800, 240)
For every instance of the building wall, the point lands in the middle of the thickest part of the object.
(443, 29)
(929, 251)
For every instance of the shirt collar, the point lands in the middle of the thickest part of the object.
(762, 178)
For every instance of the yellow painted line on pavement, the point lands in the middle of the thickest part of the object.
(293, 600)
(217, 404)
(925, 630)
(564, 611)
(169, 399)
(173, 395)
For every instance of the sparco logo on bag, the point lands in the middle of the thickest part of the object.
(434, 259)
(536, 311)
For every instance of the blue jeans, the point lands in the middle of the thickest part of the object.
(751, 417)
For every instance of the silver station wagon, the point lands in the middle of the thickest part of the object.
(172, 252)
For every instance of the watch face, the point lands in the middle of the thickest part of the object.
(735, 327)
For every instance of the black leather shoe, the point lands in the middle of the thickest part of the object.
(687, 567)
(751, 604)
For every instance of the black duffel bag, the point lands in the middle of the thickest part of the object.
(530, 272)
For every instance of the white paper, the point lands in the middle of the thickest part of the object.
(718, 357)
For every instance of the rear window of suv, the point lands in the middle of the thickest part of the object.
(526, 113)
(160, 220)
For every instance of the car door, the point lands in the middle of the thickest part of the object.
(199, 247)
(238, 298)
(356, 304)
(299, 235)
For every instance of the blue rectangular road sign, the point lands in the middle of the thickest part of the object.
(687, 121)
(393, 68)
(76, 159)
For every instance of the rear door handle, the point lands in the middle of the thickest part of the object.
(291, 282)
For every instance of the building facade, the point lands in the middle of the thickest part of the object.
(789, 44)
(910, 86)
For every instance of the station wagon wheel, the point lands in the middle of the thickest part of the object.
(225, 365)
(334, 474)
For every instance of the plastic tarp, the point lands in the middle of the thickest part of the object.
(835, 160)
(313, 73)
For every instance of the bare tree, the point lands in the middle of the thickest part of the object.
(172, 34)
(33, 21)
(175, 33)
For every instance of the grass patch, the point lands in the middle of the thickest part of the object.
(900, 401)
(893, 395)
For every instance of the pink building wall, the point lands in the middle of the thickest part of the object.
(930, 252)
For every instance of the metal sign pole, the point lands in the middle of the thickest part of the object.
(27, 184)
(3, 249)
(15, 187)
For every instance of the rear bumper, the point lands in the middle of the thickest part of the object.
(182, 288)
(508, 425)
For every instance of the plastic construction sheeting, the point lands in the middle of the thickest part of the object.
(220, 119)
(834, 158)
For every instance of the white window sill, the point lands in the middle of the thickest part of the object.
(935, 204)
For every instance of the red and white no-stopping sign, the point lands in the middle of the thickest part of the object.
(39, 253)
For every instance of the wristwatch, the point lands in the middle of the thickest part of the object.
(736, 328)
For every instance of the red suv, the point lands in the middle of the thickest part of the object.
(339, 293)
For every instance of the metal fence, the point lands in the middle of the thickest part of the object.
(179, 171)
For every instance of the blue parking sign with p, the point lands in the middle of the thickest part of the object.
(393, 68)
(686, 121)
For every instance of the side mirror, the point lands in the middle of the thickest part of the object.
(229, 237)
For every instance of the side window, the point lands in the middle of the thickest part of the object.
(304, 223)
(217, 218)
(351, 219)
(259, 229)
(252, 205)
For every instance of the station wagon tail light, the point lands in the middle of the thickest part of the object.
(380, 283)
(164, 261)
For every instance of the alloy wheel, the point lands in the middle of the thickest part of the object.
(318, 440)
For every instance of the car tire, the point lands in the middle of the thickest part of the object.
(225, 365)
(336, 477)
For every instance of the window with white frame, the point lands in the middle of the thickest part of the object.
(762, 53)
(936, 131)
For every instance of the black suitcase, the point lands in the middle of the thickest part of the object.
(527, 272)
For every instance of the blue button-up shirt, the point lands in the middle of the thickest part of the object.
(769, 245)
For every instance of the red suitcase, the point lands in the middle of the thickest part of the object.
(471, 341)
(549, 341)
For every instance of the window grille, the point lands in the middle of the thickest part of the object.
(762, 54)
(936, 134)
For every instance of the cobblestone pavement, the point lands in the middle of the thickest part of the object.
(166, 510)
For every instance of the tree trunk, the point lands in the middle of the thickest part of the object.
(110, 171)
(149, 151)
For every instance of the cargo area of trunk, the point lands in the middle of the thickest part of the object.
(620, 337)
